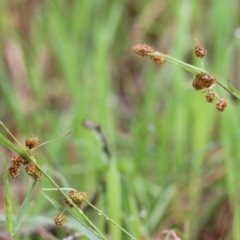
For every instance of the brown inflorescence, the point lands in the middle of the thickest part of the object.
(17, 160)
(32, 142)
(60, 219)
(199, 50)
(14, 171)
(203, 80)
(210, 97)
(76, 197)
(33, 171)
(221, 104)
(142, 49)
(158, 60)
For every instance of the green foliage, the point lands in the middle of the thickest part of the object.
(174, 157)
(7, 196)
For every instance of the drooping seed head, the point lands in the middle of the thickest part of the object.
(210, 97)
(203, 80)
(221, 104)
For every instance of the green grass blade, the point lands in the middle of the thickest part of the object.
(81, 226)
(8, 205)
(114, 198)
(158, 211)
(24, 207)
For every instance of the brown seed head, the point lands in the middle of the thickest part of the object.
(158, 60)
(199, 50)
(76, 197)
(14, 171)
(203, 80)
(210, 96)
(59, 219)
(17, 160)
(32, 142)
(33, 171)
(221, 104)
(142, 49)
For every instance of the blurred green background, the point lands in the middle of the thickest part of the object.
(174, 158)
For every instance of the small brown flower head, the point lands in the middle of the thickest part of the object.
(210, 97)
(60, 219)
(142, 49)
(76, 197)
(14, 171)
(221, 104)
(158, 60)
(32, 142)
(199, 50)
(203, 80)
(17, 160)
(33, 171)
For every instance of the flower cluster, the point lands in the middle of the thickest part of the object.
(202, 81)
(145, 50)
(76, 197)
(31, 169)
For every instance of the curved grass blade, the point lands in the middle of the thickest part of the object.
(24, 207)
(234, 90)
(91, 234)
(8, 205)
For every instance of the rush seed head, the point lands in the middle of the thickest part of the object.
(221, 104)
(76, 197)
(33, 171)
(158, 60)
(199, 50)
(14, 171)
(17, 160)
(60, 219)
(210, 97)
(203, 80)
(142, 49)
(32, 142)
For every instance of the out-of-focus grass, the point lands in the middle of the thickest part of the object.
(174, 157)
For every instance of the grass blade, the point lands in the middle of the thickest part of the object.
(24, 208)
(8, 205)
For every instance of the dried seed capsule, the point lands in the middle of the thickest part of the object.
(210, 96)
(203, 80)
(76, 197)
(142, 49)
(221, 104)
(14, 171)
(33, 171)
(158, 60)
(17, 160)
(32, 142)
(60, 219)
(199, 50)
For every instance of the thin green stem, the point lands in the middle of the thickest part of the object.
(6, 129)
(188, 67)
